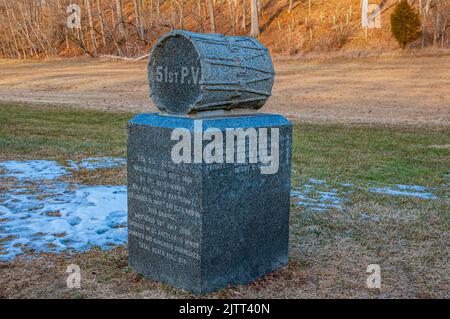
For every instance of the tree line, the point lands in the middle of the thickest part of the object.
(30, 28)
(127, 28)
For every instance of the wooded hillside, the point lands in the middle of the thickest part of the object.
(128, 28)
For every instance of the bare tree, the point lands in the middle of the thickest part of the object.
(102, 22)
(137, 14)
(244, 15)
(212, 18)
(173, 14)
(254, 31)
(231, 15)
(120, 22)
(12, 30)
(442, 12)
(91, 25)
(158, 7)
(180, 4)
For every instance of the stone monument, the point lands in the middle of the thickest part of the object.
(208, 176)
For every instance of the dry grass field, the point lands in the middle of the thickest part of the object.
(329, 250)
(359, 125)
(403, 90)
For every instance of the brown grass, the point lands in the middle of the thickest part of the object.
(329, 254)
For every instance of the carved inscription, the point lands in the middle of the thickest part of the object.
(167, 222)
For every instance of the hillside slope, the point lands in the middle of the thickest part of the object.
(110, 27)
(328, 25)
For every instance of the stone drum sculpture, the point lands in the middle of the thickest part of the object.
(213, 72)
(208, 186)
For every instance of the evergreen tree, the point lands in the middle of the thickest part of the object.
(405, 24)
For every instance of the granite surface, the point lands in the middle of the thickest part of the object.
(198, 226)
(190, 72)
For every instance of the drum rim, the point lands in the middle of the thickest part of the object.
(165, 37)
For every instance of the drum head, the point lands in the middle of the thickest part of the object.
(175, 74)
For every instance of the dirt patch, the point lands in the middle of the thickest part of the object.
(383, 90)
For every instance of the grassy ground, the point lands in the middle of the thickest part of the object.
(60, 134)
(329, 251)
(372, 153)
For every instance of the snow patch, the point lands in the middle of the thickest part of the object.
(70, 217)
(317, 181)
(404, 190)
(314, 198)
(93, 163)
(56, 216)
(33, 170)
(319, 196)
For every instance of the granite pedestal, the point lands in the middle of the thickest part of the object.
(204, 226)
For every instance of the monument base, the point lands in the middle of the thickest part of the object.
(203, 226)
